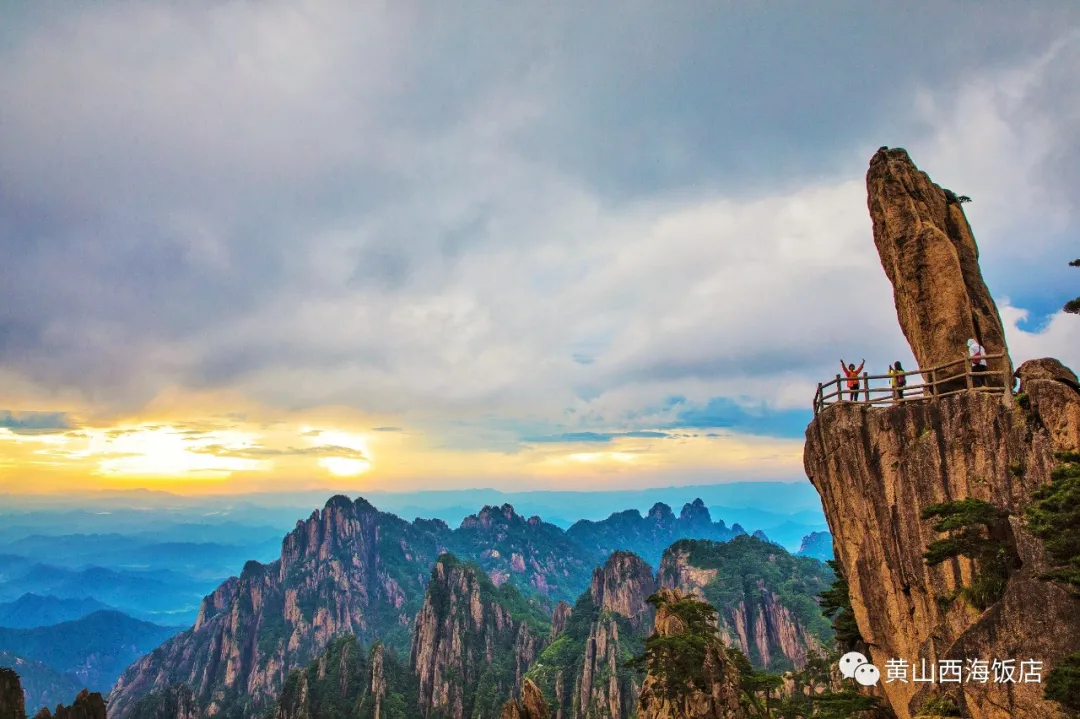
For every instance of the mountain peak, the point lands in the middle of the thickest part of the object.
(623, 585)
(340, 501)
(490, 515)
(661, 511)
(695, 513)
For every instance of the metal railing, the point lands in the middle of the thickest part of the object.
(945, 379)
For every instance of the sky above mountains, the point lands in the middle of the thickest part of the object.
(258, 246)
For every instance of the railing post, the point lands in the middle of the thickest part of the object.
(866, 387)
(839, 390)
(818, 399)
(968, 377)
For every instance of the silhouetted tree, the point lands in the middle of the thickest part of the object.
(1073, 306)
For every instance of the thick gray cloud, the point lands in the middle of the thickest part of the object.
(545, 214)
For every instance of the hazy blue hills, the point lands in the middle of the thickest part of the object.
(34, 610)
(146, 511)
(163, 594)
(196, 559)
(43, 685)
(94, 649)
(12, 566)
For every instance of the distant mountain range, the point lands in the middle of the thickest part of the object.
(352, 569)
(34, 610)
(649, 536)
(155, 517)
(94, 649)
(159, 593)
(171, 567)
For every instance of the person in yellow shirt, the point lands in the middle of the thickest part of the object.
(897, 380)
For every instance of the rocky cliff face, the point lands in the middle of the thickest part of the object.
(559, 619)
(12, 701)
(468, 648)
(531, 706)
(764, 596)
(349, 569)
(346, 681)
(878, 470)
(622, 587)
(622, 617)
(584, 670)
(930, 256)
(722, 677)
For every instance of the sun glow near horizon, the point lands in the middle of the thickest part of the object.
(195, 451)
(225, 454)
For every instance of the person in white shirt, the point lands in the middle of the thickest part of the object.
(978, 362)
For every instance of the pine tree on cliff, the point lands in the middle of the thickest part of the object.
(678, 660)
(689, 671)
(1073, 306)
(835, 604)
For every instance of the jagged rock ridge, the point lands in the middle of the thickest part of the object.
(529, 552)
(817, 545)
(87, 705)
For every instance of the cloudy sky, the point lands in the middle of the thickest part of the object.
(289, 244)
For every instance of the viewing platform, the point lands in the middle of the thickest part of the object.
(922, 384)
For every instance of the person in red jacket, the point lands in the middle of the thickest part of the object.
(852, 373)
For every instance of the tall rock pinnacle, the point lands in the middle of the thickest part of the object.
(930, 256)
(884, 474)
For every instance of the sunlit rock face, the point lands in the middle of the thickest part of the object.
(462, 631)
(878, 470)
(929, 254)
